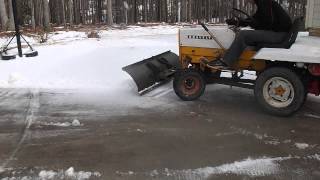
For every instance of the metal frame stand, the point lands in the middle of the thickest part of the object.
(18, 36)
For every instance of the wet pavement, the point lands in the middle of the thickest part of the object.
(224, 135)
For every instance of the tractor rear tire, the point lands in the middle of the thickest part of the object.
(280, 91)
(189, 84)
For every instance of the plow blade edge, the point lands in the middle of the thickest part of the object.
(154, 71)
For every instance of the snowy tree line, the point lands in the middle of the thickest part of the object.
(45, 13)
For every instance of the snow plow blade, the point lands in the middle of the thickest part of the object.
(153, 72)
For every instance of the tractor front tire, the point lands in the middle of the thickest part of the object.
(189, 84)
(280, 91)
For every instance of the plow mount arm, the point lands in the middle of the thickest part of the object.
(213, 36)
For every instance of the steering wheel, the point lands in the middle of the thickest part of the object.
(237, 15)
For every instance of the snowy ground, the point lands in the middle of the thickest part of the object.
(71, 113)
(73, 61)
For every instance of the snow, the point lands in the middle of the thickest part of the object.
(312, 116)
(92, 68)
(302, 146)
(246, 75)
(76, 62)
(74, 123)
(78, 175)
(65, 124)
(306, 49)
(70, 174)
(137, 31)
(69, 60)
(13, 78)
(5, 40)
(250, 167)
(70, 171)
(141, 131)
(154, 173)
(47, 174)
(267, 139)
(63, 36)
(315, 157)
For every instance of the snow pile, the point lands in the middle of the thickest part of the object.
(74, 123)
(302, 146)
(316, 157)
(63, 36)
(47, 174)
(248, 167)
(65, 124)
(69, 174)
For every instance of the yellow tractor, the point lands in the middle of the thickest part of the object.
(285, 73)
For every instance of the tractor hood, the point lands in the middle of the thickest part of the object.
(198, 37)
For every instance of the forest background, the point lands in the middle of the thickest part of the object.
(45, 14)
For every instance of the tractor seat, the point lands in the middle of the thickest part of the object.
(290, 38)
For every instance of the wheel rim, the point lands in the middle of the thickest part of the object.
(190, 86)
(278, 92)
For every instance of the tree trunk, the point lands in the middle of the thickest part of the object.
(3, 15)
(11, 18)
(46, 15)
(145, 10)
(76, 10)
(183, 10)
(71, 12)
(109, 11)
(63, 14)
(38, 6)
(189, 11)
(33, 21)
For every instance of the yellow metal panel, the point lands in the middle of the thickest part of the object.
(246, 62)
(194, 54)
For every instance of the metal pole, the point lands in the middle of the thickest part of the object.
(16, 24)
